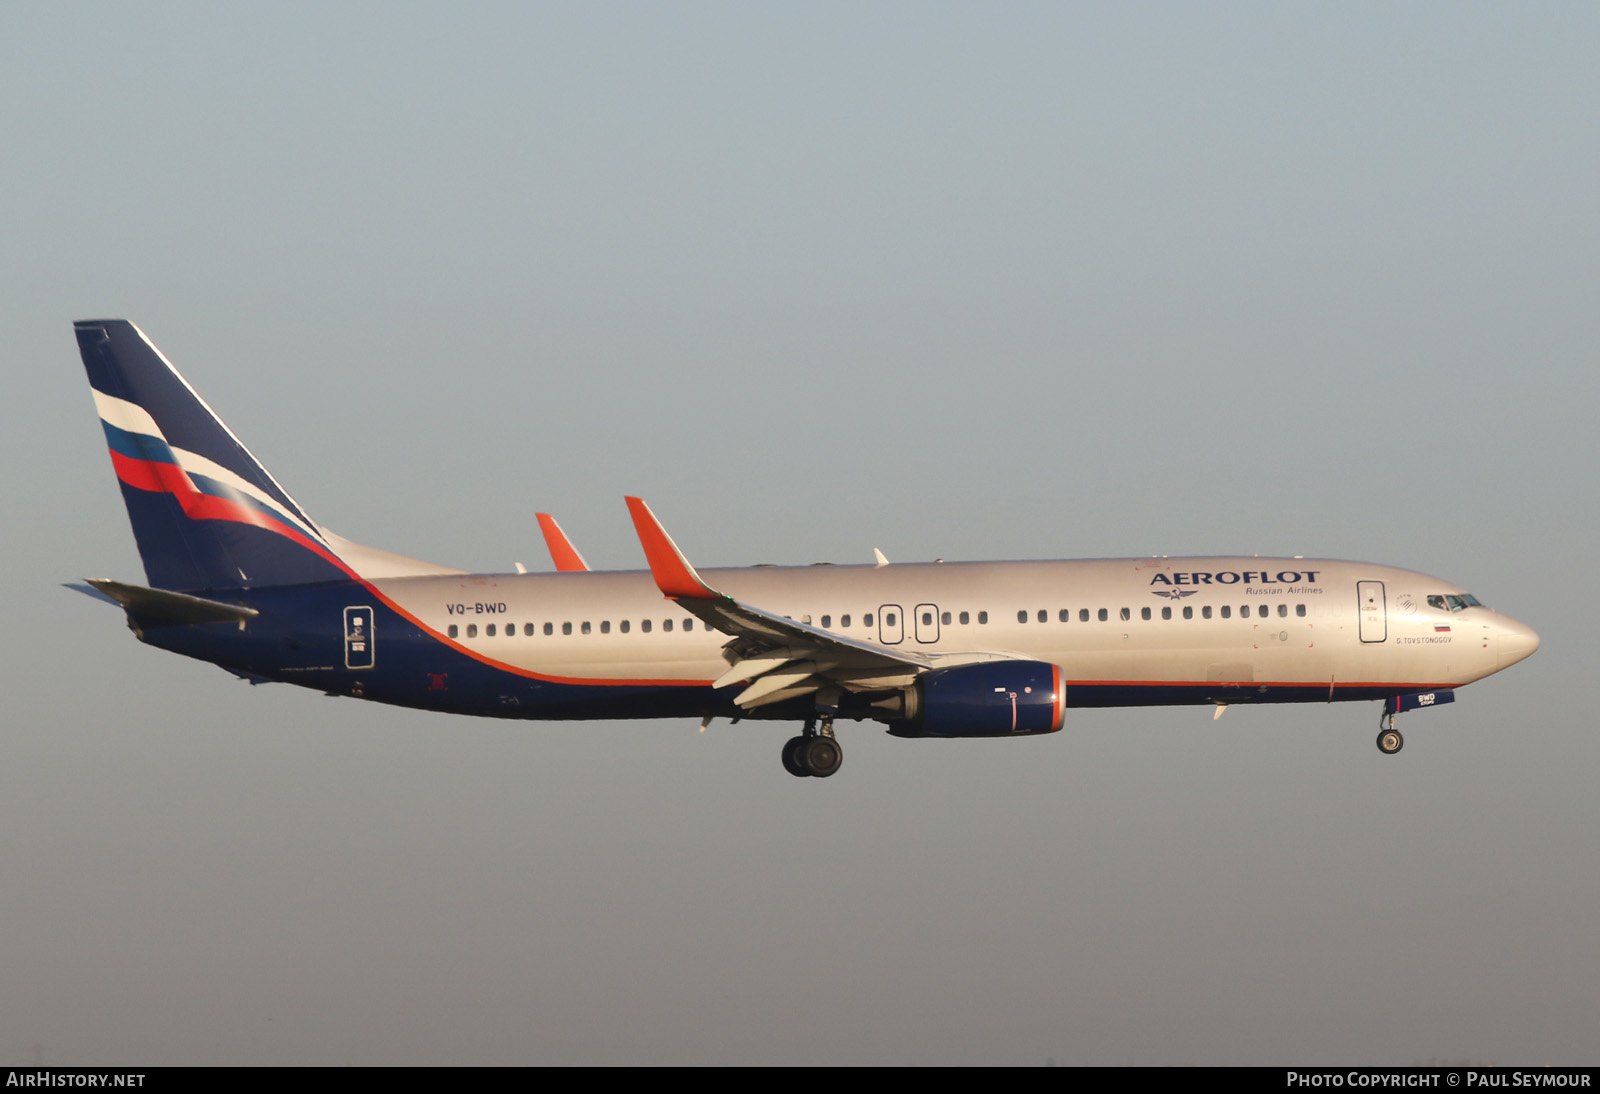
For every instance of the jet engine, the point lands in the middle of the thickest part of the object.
(987, 699)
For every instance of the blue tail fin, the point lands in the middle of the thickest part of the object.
(205, 513)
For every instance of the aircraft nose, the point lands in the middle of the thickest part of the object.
(1517, 641)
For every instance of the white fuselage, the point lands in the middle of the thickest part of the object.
(1157, 622)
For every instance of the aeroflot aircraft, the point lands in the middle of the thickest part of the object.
(241, 576)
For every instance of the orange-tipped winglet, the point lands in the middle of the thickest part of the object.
(674, 576)
(562, 552)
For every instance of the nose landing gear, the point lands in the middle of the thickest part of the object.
(1389, 739)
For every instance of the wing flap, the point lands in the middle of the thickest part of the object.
(777, 680)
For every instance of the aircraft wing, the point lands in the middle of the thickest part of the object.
(776, 657)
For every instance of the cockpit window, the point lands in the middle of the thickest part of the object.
(1436, 601)
(1472, 601)
(1454, 602)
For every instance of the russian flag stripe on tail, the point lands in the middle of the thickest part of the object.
(205, 513)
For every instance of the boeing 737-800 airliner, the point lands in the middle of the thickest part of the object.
(239, 575)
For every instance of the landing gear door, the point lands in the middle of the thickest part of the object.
(358, 651)
(1374, 611)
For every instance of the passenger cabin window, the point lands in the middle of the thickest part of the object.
(1188, 612)
(983, 617)
(1299, 609)
(1127, 614)
(844, 621)
(1104, 615)
(1227, 612)
(1083, 615)
(1022, 617)
(1066, 615)
(1205, 612)
(827, 621)
(666, 624)
(866, 620)
(1166, 613)
(1144, 613)
(585, 626)
(527, 629)
(605, 626)
(472, 630)
(452, 630)
(566, 628)
(944, 618)
(549, 628)
(645, 625)
(965, 618)
(623, 626)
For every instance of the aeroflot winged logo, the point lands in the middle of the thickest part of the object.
(1240, 577)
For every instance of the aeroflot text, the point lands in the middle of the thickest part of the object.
(1239, 577)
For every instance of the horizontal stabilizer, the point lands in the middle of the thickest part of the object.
(160, 607)
(90, 590)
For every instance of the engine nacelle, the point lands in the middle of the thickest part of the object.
(987, 699)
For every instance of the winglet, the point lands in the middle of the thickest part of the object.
(674, 576)
(562, 552)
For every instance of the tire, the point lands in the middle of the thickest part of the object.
(793, 759)
(822, 756)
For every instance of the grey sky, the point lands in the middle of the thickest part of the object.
(954, 281)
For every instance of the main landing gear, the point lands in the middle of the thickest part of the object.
(1389, 739)
(814, 753)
